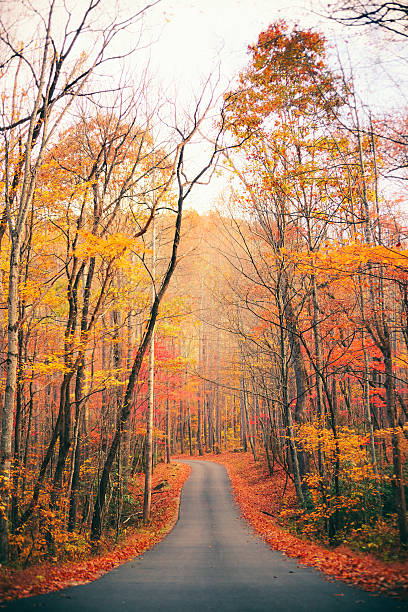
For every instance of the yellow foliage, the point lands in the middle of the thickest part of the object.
(108, 247)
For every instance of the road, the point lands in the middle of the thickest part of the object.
(211, 561)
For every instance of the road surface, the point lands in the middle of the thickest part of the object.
(211, 561)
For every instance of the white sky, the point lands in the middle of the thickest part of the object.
(195, 35)
(198, 33)
(195, 38)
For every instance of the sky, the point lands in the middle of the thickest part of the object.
(186, 41)
(195, 38)
(200, 33)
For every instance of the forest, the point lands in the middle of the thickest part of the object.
(271, 329)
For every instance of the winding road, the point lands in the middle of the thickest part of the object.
(211, 561)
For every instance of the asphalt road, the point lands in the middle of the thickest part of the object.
(211, 561)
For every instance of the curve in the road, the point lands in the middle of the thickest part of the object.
(211, 561)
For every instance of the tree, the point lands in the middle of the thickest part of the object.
(53, 72)
(310, 180)
(184, 187)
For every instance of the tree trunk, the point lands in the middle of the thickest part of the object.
(398, 480)
(190, 441)
(9, 396)
(199, 441)
(147, 499)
